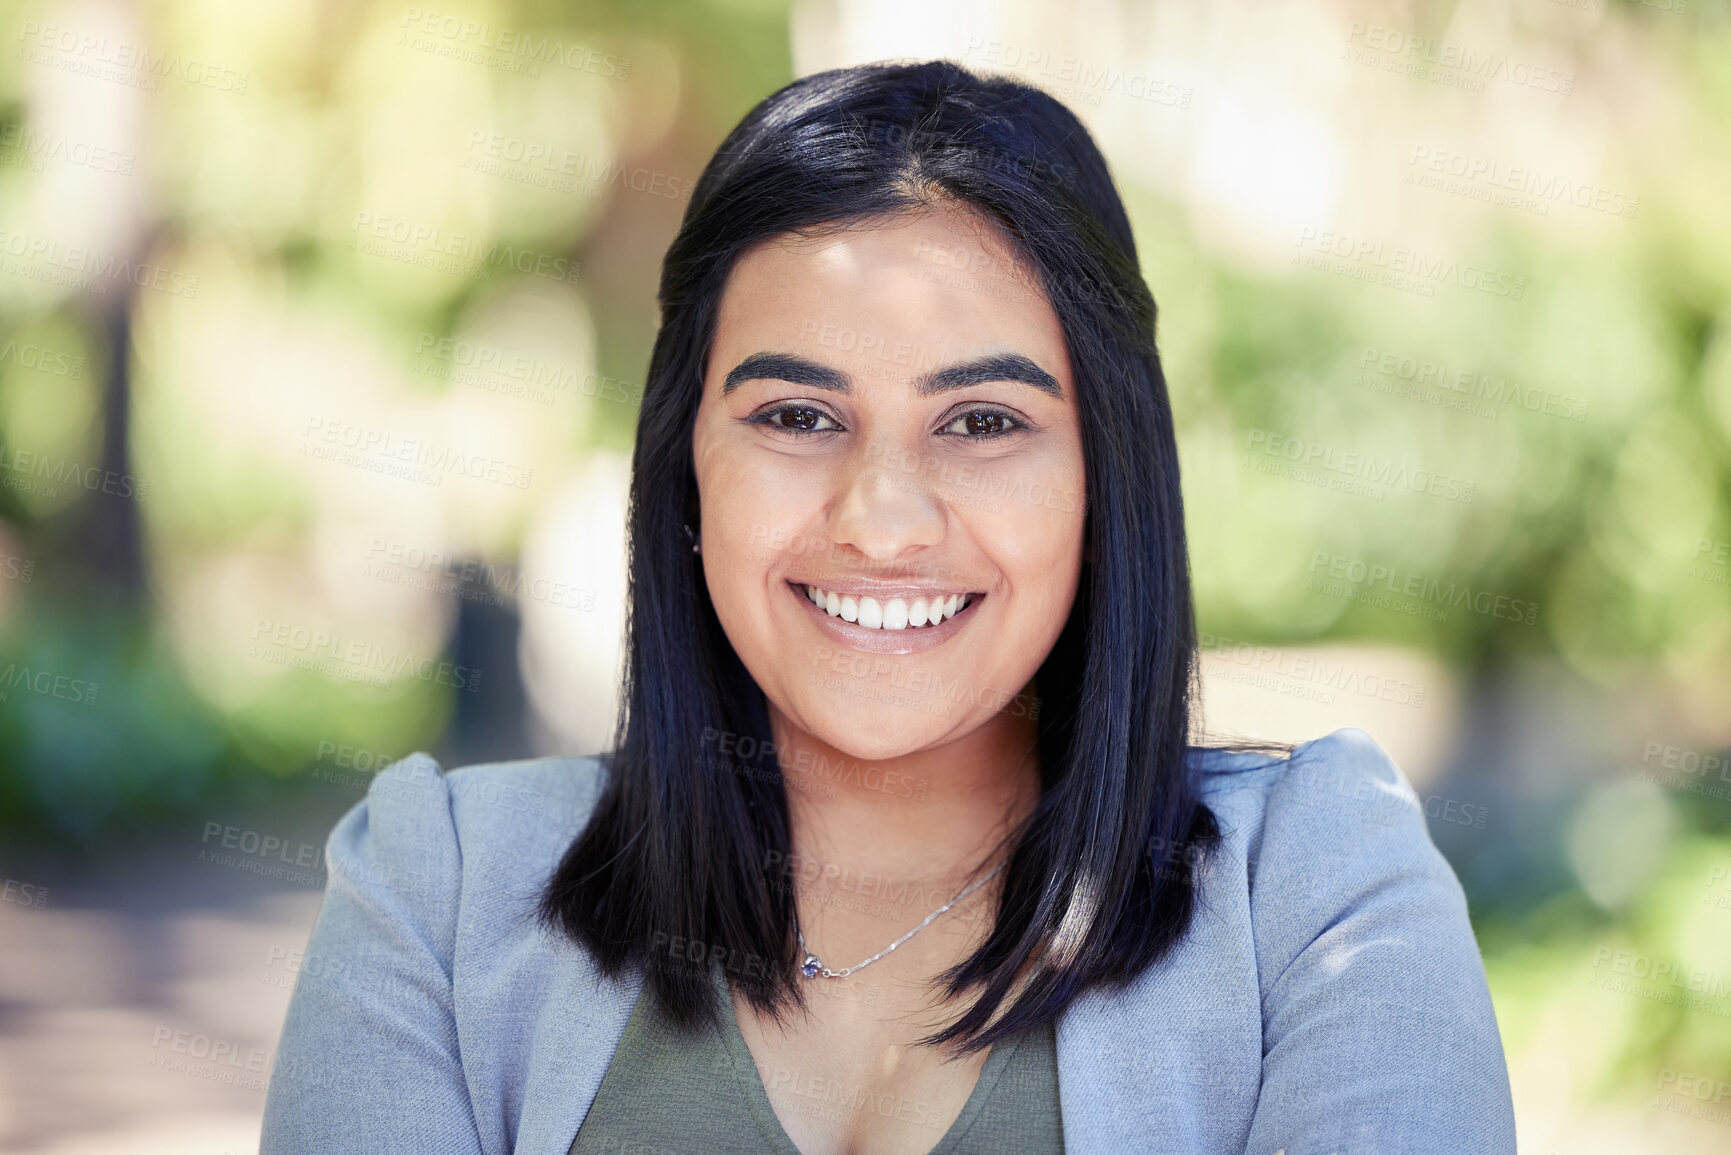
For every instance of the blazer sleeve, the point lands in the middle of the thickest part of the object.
(1378, 1029)
(368, 1059)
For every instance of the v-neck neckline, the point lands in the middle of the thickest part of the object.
(769, 1123)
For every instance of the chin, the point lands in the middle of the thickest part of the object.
(876, 731)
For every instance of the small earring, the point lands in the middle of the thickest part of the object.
(693, 536)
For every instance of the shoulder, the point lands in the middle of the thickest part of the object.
(432, 883)
(1331, 831)
(1370, 980)
(526, 798)
(1341, 788)
(428, 833)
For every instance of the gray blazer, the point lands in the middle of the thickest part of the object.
(1329, 997)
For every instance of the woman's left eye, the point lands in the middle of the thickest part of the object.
(985, 424)
(804, 419)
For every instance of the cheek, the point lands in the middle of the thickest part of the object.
(1058, 569)
(1036, 530)
(1039, 552)
(755, 526)
(757, 530)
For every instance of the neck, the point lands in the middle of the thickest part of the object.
(929, 815)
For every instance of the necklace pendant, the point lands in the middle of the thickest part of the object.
(810, 966)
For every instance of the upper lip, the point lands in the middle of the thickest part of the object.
(881, 589)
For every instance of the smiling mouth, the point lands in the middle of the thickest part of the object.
(907, 615)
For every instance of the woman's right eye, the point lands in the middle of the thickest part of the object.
(800, 419)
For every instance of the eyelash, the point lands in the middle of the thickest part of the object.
(766, 418)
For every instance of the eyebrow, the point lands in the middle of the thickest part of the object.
(799, 371)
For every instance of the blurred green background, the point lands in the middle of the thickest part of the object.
(322, 328)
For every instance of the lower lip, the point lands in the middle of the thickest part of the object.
(911, 640)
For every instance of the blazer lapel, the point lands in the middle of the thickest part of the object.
(1172, 1062)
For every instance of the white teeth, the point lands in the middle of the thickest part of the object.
(893, 614)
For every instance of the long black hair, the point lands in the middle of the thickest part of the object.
(679, 860)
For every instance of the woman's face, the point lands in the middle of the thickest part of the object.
(889, 416)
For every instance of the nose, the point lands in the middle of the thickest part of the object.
(882, 509)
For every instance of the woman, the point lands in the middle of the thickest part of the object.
(902, 846)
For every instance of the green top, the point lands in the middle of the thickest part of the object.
(669, 1092)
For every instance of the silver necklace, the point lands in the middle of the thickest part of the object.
(812, 967)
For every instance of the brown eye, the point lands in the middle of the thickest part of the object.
(985, 424)
(794, 419)
(801, 417)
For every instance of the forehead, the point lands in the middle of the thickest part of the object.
(943, 279)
